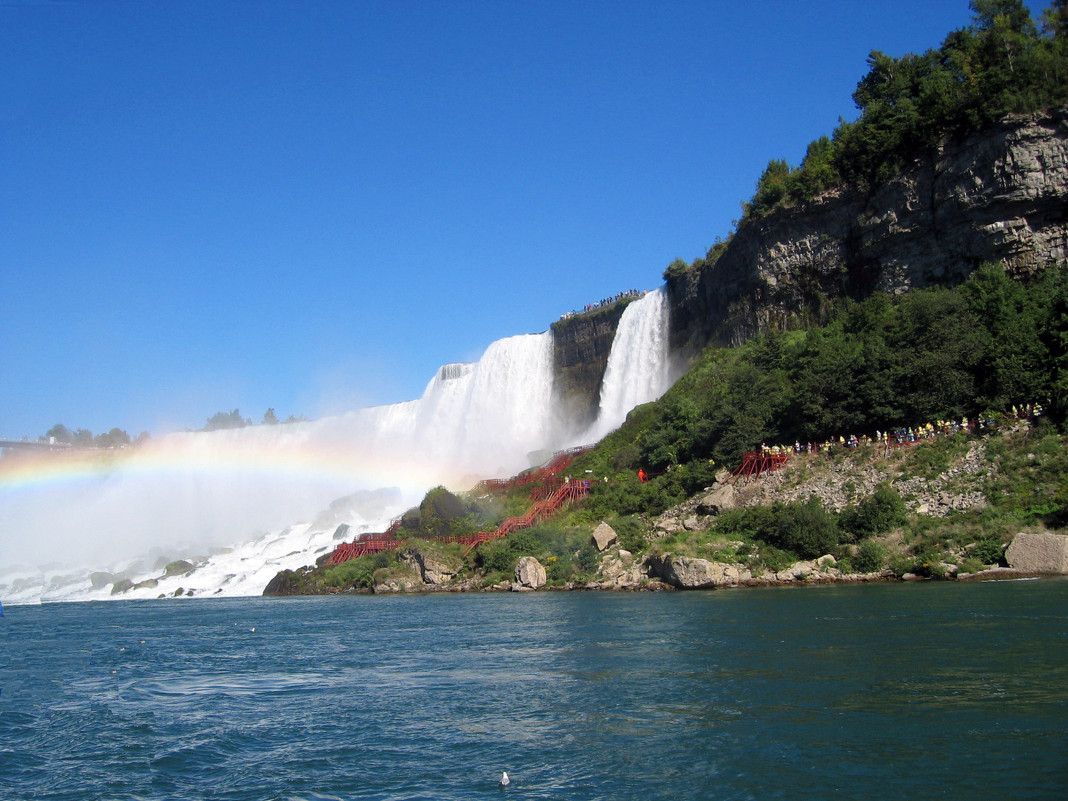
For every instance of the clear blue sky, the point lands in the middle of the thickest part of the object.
(311, 205)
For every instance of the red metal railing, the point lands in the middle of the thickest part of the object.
(755, 463)
(566, 492)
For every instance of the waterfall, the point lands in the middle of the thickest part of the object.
(192, 492)
(227, 500)
(637, 370)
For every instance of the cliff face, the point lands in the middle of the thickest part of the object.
(581, 345)
(999, 196)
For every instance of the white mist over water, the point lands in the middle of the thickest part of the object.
(229, 501)
(638, 366)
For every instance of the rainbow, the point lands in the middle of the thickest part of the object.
(305, 462)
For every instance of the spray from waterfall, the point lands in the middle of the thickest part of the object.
(190, 493)
(278, 497)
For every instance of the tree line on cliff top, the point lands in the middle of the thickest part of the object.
(1004, 63)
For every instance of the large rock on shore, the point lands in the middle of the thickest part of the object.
(529, 574)
(604, 536)
(690, 573)
(1038, 553)
(403, 577)
(435, 568)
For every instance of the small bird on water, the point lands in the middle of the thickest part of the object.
(505, 781)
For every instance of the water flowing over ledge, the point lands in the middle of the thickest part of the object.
(240, 505)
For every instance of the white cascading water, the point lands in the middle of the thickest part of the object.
(637, 370)
(190, 493)
(221, 500)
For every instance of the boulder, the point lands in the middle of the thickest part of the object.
(1038, 553)
(179, 567)
(400, 578)
(721, 497)
(618, 570)
(101, 579)
(529, 574)
(687, 572)
(434, 568)
(604, 536)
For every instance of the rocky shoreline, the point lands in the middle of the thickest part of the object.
(1029, 555)
(669, 559)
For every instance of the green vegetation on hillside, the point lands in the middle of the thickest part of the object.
(879, 364)
(1004, 63)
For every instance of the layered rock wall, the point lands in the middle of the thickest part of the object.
(999, 196)
(581, 345)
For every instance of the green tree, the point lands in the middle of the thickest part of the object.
(115, 438)
(1012, 367)
(61, 434)
(877, 514)
(773, 186)
(225, 420)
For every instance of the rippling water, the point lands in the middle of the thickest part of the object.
(891, 691)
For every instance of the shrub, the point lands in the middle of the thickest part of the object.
(806, 528)
(769, 558)
(631, 533)
(877, 514)
(358, 572)
(870, 557)
(988, 551)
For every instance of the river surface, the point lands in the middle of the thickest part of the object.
(937, 690)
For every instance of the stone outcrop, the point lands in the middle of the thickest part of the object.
(604, 536)
(619, 571)
(1001, 195)
(581, 345)
(690, 573)
(1038, 553)
(529, 574)
(434, 568)
(402, 578)
(696, 514)
(179, 567)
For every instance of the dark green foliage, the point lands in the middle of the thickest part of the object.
(358, 572)
(60, 433)
(870, 557)
(880, 364)
(675, 270)
(224, 420)
(1002, 64)
(773, 186)
(565, 553)
(877, 514)
(988, 551)
(83, 438)
(630, 531)
(803, 528)
(443, 514)
(806, 529)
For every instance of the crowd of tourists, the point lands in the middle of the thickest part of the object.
(604, 303)
(907, 436)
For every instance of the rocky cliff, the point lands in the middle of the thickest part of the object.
(581, 345)
(998, 196)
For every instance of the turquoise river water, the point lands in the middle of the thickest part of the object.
(937, 690)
